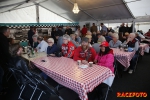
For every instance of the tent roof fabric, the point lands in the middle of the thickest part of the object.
(90, 10)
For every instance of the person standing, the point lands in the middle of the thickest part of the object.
(103, 27)
(84, 31)
(94, 28)
(4, 47)
(30, 34)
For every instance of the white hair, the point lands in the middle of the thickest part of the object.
(66, 37)
(110, 34)
(51, 39)
(115, 35)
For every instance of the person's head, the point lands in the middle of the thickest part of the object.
(15, 49)
(5, 31)
(50, 41)
(94, 33)
(73, 36)
(39, 39)
(122, 24)
(127, 25)
(53, 29)
(126, 34)
(115, 37)
(31, 28)
(102, 24)
(104, 47)
(149, 30)
(110, 34)
(85, 43)
(89, 37)
(11, 41)
(136, 34)
(93, 24)
(99, 35)
(83, 25)
(34, 37)
(88, 33)
(66, 39)
(103, 32)
(131, 36)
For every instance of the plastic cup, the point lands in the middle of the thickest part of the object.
(79, 62)
(90, 64)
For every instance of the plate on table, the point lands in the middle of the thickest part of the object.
(83, 66)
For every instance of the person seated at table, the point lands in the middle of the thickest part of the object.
(35, 42)
(42, 46)
(138, 37)
(96, 45)
(90, 39)
(100, 37)
(133, 45)
(109, 37)
(115, 42)
(125, 37)
(15, 50)
(105, 56)
(84, 52)
(147, 34)
(11, 41)
(73, 40)
(67, 47)
(52, 48)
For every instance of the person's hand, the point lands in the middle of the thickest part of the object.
(84, 62)
(19, 51)
(95, 61)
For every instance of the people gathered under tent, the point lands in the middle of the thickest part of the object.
(103, 27)
(31, 32)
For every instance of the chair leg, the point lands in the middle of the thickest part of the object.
(107, 93)
(33, 92)
(40, 95)
(23, 87)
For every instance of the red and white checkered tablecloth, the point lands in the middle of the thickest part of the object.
(65, 71)
(143, 47)
(123, 57)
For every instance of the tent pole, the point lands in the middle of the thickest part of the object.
(133, 25)
(37, 13)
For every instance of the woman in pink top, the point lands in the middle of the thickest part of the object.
(105, 57)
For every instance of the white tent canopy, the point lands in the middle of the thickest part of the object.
(60, 11)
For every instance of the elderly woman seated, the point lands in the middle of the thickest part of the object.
(133, 45)
(114, 43)
(52, 48)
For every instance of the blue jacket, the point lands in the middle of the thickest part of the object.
(53, 49)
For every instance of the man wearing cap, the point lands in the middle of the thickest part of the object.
(68, 47)
(84, 52)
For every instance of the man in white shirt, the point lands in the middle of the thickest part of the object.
(42, 46)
